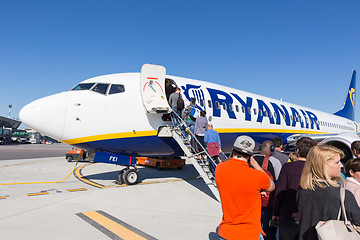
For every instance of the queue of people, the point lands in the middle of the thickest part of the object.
(307, 190)
(307, 183)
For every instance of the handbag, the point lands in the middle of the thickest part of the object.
(337, 229)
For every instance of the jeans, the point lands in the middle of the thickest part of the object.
(266, 216)
(191, 125)
(288, 229)
(176, 119)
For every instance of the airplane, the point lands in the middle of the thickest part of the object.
(120, 117)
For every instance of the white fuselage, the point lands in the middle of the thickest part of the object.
(119, 122)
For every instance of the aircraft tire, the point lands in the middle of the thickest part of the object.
(131, 177)
(158, 166)
(121, 177)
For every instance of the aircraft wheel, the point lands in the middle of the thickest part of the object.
(121, 177)
(131, 177)
(69, 158)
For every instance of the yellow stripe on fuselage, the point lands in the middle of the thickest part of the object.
(154, 133)
(110, 136)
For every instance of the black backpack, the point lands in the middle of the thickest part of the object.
(180, 103)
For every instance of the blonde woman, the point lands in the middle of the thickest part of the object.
(319, 193)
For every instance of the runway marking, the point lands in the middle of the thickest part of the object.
(113, 227)
(19, 164)
(77, 190)
(4, 197)
(37, 194)
(79, 176)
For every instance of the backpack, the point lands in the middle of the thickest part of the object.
(180, 105)
(268, 200)
(194, 113)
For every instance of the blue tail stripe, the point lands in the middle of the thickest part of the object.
(348, 110)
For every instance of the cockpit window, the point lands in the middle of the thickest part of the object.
(83, 86)
(100, 88)
(116, 88)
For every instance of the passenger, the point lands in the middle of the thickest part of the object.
(285, 204)
(267, 149)
(213, 143)
(190, 114)
(352, 168)
(278, 153)
(173, 100)
(201, 125)
(239, 187)
(355, 148)
(169, 88)
(319, 193)
(274, 167)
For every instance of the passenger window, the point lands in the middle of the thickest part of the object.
(217, 105)
(270, 114)
(202, 102)
(237, 108)
(265, 113)
(83, 86)
(249, 110)
(231, 107)
(224, 106)
(100, 88)
(209, 104)
(116, 88)
(260, 112)
(254, 111)
(275, 115)
(243, 109)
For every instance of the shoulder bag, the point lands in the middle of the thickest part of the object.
(337, 229)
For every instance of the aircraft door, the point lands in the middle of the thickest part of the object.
(152, 88)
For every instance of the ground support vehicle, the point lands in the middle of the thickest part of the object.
(161, 163)
(73, 155)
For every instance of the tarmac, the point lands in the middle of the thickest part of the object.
(37, 202)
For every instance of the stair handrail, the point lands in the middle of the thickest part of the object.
(193, 136)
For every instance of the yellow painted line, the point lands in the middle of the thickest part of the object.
(37, 194)
(113, 226)
(19, 164)
(160, 181)
(4, 197)
(110, 136)
(76, 190)
(83, 179)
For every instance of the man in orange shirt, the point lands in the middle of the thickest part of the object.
(240, 181)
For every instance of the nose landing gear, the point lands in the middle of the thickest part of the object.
(128, 176)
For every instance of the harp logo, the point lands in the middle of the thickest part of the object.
(352, 96)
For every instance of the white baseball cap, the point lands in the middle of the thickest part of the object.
(244, 144)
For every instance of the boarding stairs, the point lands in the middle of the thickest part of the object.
(152, 85)
(182, 135)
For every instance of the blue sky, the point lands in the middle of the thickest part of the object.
(300, 51)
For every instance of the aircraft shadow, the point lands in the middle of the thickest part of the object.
(188, 174)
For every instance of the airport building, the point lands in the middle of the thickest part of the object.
(7, 127)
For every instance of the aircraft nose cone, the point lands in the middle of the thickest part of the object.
(46, 115)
